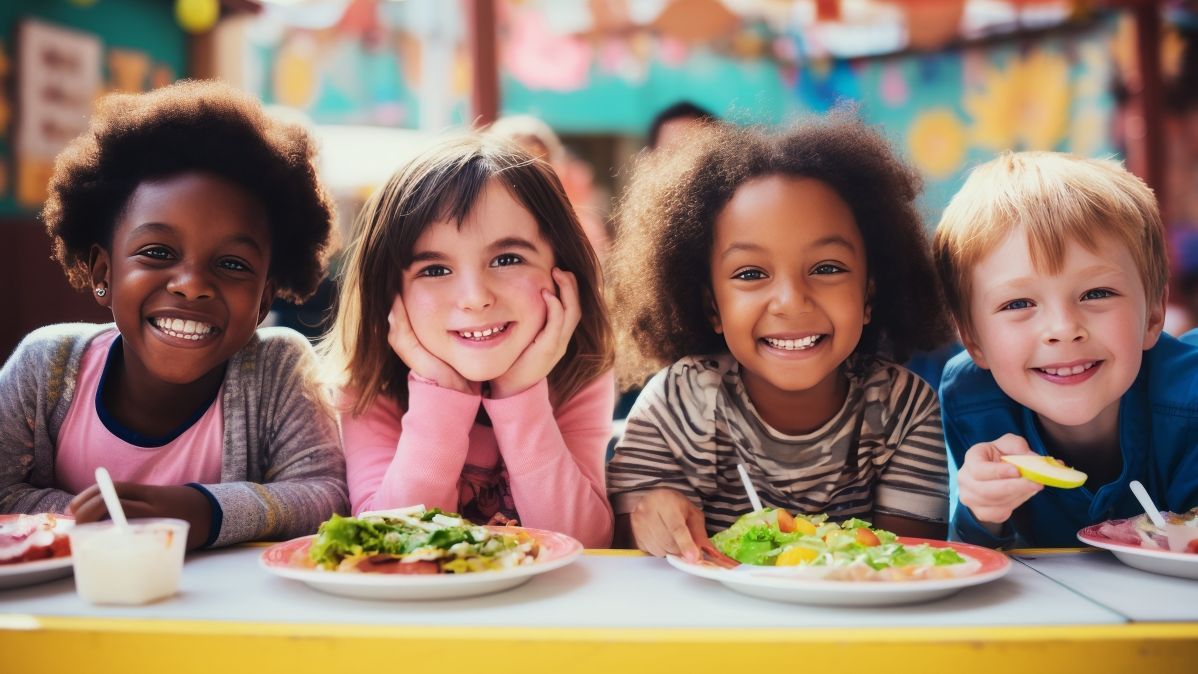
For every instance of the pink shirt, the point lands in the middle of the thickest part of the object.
(544, 466)
(89, 438)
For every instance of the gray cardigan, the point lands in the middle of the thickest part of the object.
(282, 470)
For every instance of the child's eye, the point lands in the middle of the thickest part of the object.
(1015, 305)
(233, 265)
(507, 259)
(1097, 294)
(749, 275)
(828, 268)
(434, 270)
(155, 253)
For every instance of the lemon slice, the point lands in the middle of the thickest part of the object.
(1046, 470)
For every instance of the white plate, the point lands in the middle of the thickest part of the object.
(1180, 564)
(556, 551)
(994, 565)
(28, 573)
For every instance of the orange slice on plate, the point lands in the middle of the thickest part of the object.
(1046, 470)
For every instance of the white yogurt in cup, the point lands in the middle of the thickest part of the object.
(135, 565)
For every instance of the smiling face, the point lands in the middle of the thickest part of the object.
(473, 293)
(187, 276)
(789, 281)
(1065, 345)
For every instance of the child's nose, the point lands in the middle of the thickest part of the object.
(789, 297)
(1065, 325)
(191, 282)
(474, 294)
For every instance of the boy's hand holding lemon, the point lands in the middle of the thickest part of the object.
(991, 487)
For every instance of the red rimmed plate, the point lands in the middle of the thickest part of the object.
(992, 566)
(556, 551)
(37, 571)
(1180, 564)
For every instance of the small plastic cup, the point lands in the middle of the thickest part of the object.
(135, 565)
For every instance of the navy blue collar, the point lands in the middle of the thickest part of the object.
(131, 436)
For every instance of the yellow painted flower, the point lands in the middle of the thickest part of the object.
(936, 142)
(1024, 106)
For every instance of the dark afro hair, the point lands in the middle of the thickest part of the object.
(660, 269)
(191, 127)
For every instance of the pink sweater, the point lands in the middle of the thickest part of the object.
(548, 464)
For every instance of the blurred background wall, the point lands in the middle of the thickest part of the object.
(950, 82)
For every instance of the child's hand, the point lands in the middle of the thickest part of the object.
(666, 523)
(145, 500)
(547, 348)
(423, 364)
(991, 488)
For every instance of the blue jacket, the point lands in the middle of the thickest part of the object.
(1158, 435)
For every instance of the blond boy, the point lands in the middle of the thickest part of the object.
(1055, 271)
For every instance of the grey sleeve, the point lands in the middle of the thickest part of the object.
(33, 384)
(298, 458)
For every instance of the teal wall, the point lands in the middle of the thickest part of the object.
(147, 26)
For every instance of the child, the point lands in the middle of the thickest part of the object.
(1055, 271)
(472, 346)
(777, 276)
(185, 211)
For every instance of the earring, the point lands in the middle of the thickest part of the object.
(101, 291)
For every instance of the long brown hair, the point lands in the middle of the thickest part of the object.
(443, 184)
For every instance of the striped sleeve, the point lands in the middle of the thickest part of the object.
(914, 483)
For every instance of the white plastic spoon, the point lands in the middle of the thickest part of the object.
(111, 501)
(744, 477)
(1148, 505)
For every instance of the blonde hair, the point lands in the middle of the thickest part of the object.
(1056, 199)
(444, 183)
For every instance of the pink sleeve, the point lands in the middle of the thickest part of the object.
(555, 463)
(392, 462)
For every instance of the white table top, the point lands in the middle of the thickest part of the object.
(1139, 595)
(595, 591)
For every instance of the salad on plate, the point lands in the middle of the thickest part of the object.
(772, 541)
(415, 541)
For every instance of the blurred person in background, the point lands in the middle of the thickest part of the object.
(676, 123)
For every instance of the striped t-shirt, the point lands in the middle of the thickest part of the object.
(883, 452)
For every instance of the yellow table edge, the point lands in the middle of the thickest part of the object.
(51, 643)
(33, 643)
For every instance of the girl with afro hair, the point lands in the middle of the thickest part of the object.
(185, 211)
(778, 279)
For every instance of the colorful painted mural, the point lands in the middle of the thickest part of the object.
(608, 67)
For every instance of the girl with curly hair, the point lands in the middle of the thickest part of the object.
(778, 279)
(185, 211)
(472, 348)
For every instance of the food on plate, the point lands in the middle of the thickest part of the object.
(28, 538)
(1180, 533)
(1046, 470)
(134, 564)
(810, 546)
(416, 541)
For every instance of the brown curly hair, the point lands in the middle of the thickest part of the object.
(191, 126)
(660, 267)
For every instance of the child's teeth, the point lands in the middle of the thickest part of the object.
(1068, 371)
(792, 344)
(185, 329)
(479, 334)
